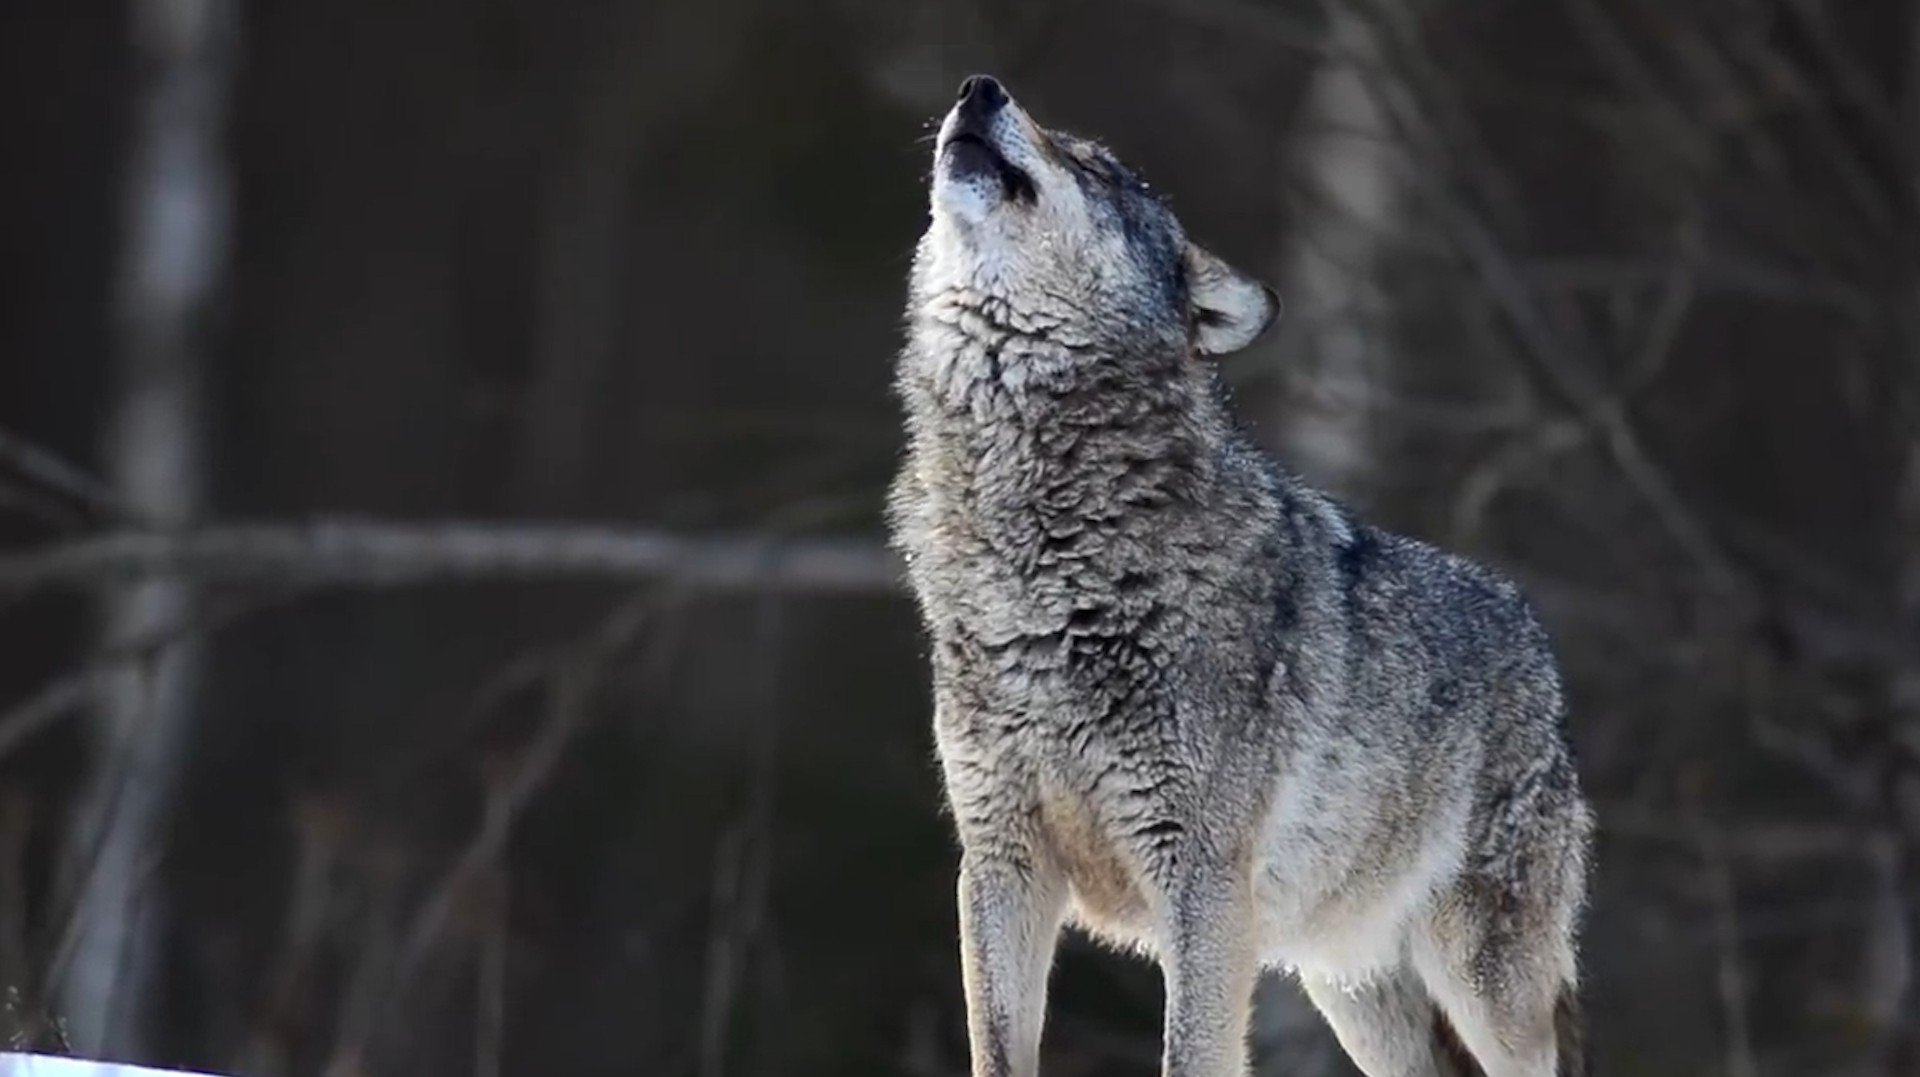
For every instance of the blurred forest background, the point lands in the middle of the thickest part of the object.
(443, 626)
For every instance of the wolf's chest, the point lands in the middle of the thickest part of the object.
(1105, 877)
(1058, 679)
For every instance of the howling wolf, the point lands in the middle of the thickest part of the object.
(1184, 701)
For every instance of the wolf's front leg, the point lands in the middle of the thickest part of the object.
(1209, 959)
(1010, 913)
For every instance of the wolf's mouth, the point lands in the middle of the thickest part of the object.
(968, 154)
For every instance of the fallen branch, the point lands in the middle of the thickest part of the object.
(370, 553)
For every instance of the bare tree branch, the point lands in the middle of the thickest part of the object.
(371, 553)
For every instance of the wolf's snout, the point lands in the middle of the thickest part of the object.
(973, 149)
(982, 95)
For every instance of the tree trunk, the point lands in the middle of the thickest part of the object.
(1333, 333)
(172, 265)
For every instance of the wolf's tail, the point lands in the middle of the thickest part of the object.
(1569, 1032)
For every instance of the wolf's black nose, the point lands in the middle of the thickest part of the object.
(982, 93)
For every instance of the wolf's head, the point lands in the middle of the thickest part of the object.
(1061, 232)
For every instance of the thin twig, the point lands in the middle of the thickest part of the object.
(490, 982)
(1731, 975)
(743, 867)
(41, 507)
(70, 691)
(60, 475)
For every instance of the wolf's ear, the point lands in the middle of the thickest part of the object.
(1230, 309)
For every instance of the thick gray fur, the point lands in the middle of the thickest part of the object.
(1183, 700)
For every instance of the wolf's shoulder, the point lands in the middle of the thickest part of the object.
(1397, 589)
(1457, 608)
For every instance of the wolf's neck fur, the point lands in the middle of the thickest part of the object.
(1042, 442)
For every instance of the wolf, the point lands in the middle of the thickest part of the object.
(1182, 700)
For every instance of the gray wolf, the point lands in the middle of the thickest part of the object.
(1181, 699)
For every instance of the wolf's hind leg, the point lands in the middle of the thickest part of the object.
(1386, 1025)
(1503, 972)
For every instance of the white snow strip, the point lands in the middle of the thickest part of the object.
(12, 1065)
